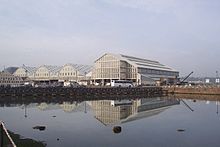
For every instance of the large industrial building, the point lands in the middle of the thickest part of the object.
(107, 68)
(140, 71)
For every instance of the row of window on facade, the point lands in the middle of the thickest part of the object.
(107, 76)
(115, 76)
(107, 64)
(158, 72)
(8, 82)
(9, 79)
(61, 74)
(68, 74)
(115, 70)
(67, 69)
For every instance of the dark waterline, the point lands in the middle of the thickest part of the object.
(148, 122)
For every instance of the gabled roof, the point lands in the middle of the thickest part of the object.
(140, 62)
(51, 68)
(82, 69)
(145, 63)
(29, 69)
(11, 70)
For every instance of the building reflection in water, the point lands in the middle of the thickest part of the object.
(111, 112)
(65, 106)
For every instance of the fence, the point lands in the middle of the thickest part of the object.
(5, 138)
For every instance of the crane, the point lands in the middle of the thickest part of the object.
(183, 81)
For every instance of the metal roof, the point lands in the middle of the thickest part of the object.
(52, 69)
(145, 63)
(29, 69)
(11, 70)
(140, 62)
(82, 69)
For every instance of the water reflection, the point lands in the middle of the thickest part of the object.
(65, 106)
(112, 112)
(117, 122)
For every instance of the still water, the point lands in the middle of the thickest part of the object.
(151, 122)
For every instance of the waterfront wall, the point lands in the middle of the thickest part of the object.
(85, 93)
(201, 90)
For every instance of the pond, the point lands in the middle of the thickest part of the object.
(152, 122)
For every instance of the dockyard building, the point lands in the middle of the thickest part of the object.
(25, 72)
(75, 72)
(138, 70)
(47, 73)
(8, 79)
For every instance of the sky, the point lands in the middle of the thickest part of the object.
(183, 34)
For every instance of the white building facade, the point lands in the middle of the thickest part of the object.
(75, 72)
(25, 72)
(8, 79)
(47, 73)
(140, 71)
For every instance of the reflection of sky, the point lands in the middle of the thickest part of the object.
(82, 129)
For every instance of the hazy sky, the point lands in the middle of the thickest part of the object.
(183, 34)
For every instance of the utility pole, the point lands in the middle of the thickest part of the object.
(85, 110)
(217, 80)
(25, 110)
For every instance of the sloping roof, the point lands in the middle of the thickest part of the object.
(141, 63)
(144, 114)
(145, 63)
(11, 70)
(82, 69)
(51, 68)
(29, 69)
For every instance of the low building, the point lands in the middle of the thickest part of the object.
(211, 80)
(8, 79)
(75, 72)
(141, 71)
(47, 74)
(25, 72)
